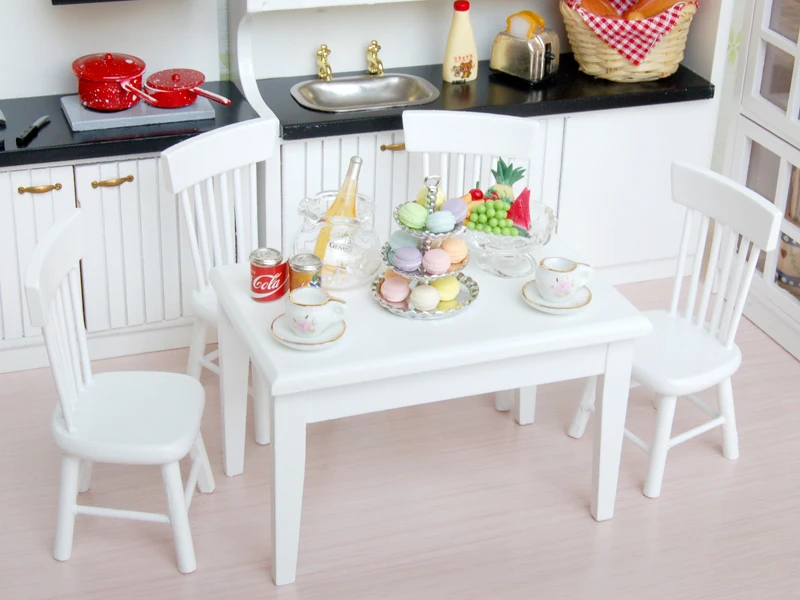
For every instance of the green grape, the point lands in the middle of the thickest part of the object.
(490, 212)
(473, 217)
(505, 231)
(501, 214)
(496, 230)
(514, 232)
(478, 226)
(470, 224)
(509, 223)
(493, 222)
(481, 208)
(482, 218)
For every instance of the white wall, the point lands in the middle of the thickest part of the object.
(412, 33)
(40, 41)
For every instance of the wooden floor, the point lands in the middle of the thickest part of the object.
(449, 500)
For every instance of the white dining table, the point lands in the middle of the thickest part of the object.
(384, 362)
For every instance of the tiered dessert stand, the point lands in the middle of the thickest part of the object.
(426, 240)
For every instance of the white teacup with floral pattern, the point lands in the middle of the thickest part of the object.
(557, 279)
(311, 311)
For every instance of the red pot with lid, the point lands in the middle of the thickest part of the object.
(111, 81)
(176, 88)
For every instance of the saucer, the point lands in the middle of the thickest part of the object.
(284, 334)
(579, 301)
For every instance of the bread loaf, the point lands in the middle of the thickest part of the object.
(601, 8)
(644, 9)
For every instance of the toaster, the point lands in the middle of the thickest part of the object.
(526, 49)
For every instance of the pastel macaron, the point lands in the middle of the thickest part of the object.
(458, 207)
(395, 289)
(401, 239)
(441, 221)
(436, 262)
(413, 215)
(407, 259)
(448, 288)
(424, 297)
(456, 248)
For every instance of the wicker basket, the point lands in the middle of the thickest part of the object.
(596, 58)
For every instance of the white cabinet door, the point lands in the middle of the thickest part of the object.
(136, 270)
(24, 219)
(616, 206)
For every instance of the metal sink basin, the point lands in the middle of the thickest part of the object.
(349, 94)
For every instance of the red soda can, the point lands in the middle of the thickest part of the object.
(268, 275)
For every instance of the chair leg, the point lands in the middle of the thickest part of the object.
(525, 405)
(67, 496)
(581, 419)
(197, 348)
(261, 399)
(178, 517)
(503, 401)
(730, 437)
(85, 479)
(660, 446)
(205, 478)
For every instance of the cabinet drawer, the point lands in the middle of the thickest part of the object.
(135, 270)
(47, 194)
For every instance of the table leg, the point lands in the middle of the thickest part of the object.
(525, 405)
(261, 398)
(288, 450)
(609, 428)
(503, 401)
(233, 366)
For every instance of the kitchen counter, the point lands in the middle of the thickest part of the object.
(569, 91)
(57, 142)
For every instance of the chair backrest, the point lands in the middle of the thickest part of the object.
(218, 165)
(465, 134)
(744, 225)
(53, 291)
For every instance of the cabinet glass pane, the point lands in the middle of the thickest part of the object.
(785, 18)
(776, 78)
(762, 172)
(793, 200)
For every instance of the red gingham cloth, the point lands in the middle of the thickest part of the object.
(632, 39)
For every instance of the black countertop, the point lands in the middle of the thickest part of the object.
(569, 91)
(57, 142)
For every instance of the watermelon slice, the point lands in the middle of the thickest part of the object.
(520, 211)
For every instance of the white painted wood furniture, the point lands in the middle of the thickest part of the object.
(692, 347)
(464, 147)
(385, 362)
(209, 173)
(764, 155)
(127, 418)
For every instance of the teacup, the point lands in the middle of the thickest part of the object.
(310, 311)
(557, 279)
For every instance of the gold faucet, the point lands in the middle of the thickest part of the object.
(325, 73)
(375, 65)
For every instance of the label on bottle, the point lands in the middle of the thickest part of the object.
(339, 251)
(462, 66)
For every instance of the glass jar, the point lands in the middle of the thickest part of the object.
(353, 257)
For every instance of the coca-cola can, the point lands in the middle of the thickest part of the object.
(268, 275)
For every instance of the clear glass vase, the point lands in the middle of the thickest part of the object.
(353, 254)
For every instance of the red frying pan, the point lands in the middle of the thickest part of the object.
(176, 88)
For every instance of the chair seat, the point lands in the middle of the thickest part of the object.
(679, 358)
(134, 417)
(204, 304)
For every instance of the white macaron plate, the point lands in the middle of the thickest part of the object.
(284, 334)
(580, 301)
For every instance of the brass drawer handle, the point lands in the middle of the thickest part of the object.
(112, 182)
(39, 189)
(393, 147)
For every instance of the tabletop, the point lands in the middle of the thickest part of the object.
(377, 344)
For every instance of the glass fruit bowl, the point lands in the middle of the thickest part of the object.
(511, 257)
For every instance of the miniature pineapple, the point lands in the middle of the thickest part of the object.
(506, 176)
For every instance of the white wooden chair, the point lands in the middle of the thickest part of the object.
(210, 173)
(462, 141)
(689, 349)
(130, 418)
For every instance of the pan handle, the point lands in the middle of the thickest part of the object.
(211, 96)
(126, 85)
